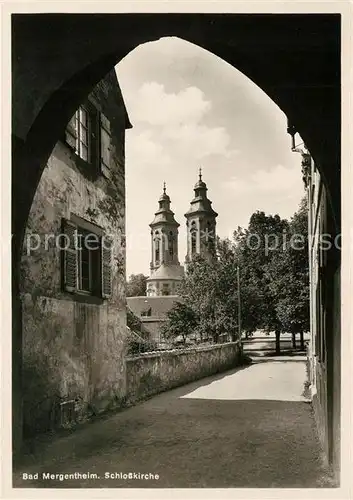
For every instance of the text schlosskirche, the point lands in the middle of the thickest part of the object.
(49, 476)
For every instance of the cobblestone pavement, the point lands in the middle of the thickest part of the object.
(249, 427)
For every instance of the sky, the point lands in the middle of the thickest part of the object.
(190, 109)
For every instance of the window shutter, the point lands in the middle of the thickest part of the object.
(70, 256)
(105, 145)
(71, 132)
(106, 260)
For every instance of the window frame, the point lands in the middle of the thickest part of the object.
(98, 280)
(91, 264)
(97, 124)
(83, 108)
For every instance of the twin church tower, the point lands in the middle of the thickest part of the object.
(166, 271)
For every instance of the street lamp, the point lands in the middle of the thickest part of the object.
(239, 302)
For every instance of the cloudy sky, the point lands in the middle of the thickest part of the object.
(190, 109)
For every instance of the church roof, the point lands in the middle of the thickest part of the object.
(159, 305)
(200, 202)
(167, 272)
(164, 214)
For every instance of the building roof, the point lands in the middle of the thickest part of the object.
(200, 202)
(167, 272)
(159, 305)
(164, 214)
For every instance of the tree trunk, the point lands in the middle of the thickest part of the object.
(278, 344)
(293, 341)
(302, 346)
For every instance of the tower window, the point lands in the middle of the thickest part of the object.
(171, 244)
(193, 242)
(193, 232)
(157, 249)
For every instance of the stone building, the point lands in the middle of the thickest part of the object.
(152, 312)
(200, 225)
(166, 271)
(324, 354)
(73, 270)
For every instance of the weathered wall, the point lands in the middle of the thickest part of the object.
(74, 348)
(336, 402)
(152, 373)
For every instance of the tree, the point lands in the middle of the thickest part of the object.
(289, 273)
(136, 285)
(197, 289)
(257, 247)
(210, 288)
(181, 321)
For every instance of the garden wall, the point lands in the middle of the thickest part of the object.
(152, 373)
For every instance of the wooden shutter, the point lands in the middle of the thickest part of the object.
(105, 145)
(71, 132)
(69, 256)
(107, 262)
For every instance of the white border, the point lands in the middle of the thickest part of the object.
(345, 8)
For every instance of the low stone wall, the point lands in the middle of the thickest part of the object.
(152, 373)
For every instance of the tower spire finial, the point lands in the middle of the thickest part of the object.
(164, 187)
(200, 174)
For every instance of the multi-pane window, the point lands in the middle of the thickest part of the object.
(89, 135)
(87, 260)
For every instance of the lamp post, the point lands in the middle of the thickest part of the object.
(239, 302)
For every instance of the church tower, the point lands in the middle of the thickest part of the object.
(201, 225)
(166, 271)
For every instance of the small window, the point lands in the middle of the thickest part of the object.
(193, 232)
(157, 249)
(171, 244)
(87, 260)
(193, 241)
(88, 133)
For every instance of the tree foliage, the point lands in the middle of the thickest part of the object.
(274, 290)
(257, 247)
(181, 322)
(210, 291)
(289, 274)
(136, 285)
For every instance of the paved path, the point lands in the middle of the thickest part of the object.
(249, 427)
(261, 344)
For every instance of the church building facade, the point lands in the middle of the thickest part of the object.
(201, 225)
(166, 271)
